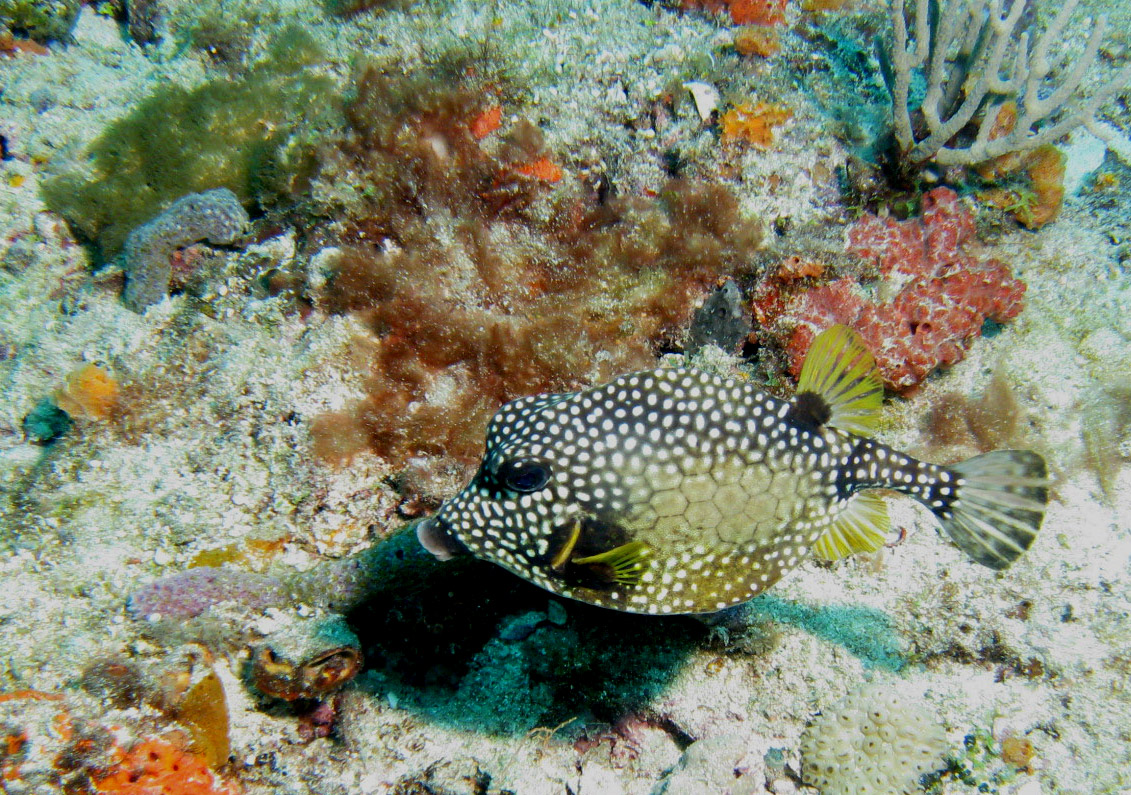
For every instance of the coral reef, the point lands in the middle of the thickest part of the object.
(874, 740)
(994, 53)
(933, 296)
(215, 216)
(57, 743)
(472, 263)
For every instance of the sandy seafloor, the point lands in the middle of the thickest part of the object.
(1041, 651)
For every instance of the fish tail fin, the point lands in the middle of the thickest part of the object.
(998, 505)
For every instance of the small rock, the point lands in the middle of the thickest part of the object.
(94, 31)
(19, 256)
(720, 764)
(46, 422)
(520, 627)
(722, 320)
(42, 99)
(556, 613)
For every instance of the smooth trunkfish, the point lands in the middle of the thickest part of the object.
(681, 491)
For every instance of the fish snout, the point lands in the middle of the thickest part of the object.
(436, 536)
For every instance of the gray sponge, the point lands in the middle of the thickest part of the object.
(214, 215)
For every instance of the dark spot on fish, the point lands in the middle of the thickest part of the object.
(809, 411)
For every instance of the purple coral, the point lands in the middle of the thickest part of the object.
(214, 215)
(189, 593)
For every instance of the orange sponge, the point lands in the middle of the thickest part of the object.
(753, 124)
(158, 767)
(89, 391)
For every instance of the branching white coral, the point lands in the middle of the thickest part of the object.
(977, 56)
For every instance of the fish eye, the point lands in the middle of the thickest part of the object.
(524, 475)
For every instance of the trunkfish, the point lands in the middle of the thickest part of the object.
(682, 491)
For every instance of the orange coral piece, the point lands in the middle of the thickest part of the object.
(10, 45)
(757, 12)
(795, 267)
(89, 391)
(755, 40)
(12, 743)
(30, 695)
(810, 6)
(543, 168)
(158, 767)
(753, 124)
(486, 122)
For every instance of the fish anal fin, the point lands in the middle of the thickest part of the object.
(861, 527)
(839, 383)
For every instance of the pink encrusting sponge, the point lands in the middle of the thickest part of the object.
(940, 294)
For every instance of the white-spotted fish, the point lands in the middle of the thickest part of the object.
(681, 491)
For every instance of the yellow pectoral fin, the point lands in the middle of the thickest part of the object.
(625, 564)
(861, 527)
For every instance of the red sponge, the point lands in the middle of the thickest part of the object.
(933, 299)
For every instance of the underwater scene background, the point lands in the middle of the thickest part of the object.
(268, 268)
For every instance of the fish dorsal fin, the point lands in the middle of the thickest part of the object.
(839, 384)
(861, 527)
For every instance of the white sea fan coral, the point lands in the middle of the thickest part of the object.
(875, 740)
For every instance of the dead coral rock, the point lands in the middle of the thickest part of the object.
(723, 763)
(448, 777)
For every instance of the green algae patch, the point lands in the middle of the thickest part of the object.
(251, 135)
(866, 633)
(42, 20)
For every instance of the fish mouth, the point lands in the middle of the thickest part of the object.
(436, 536)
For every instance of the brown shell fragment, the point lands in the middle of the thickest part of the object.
(306, 662)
